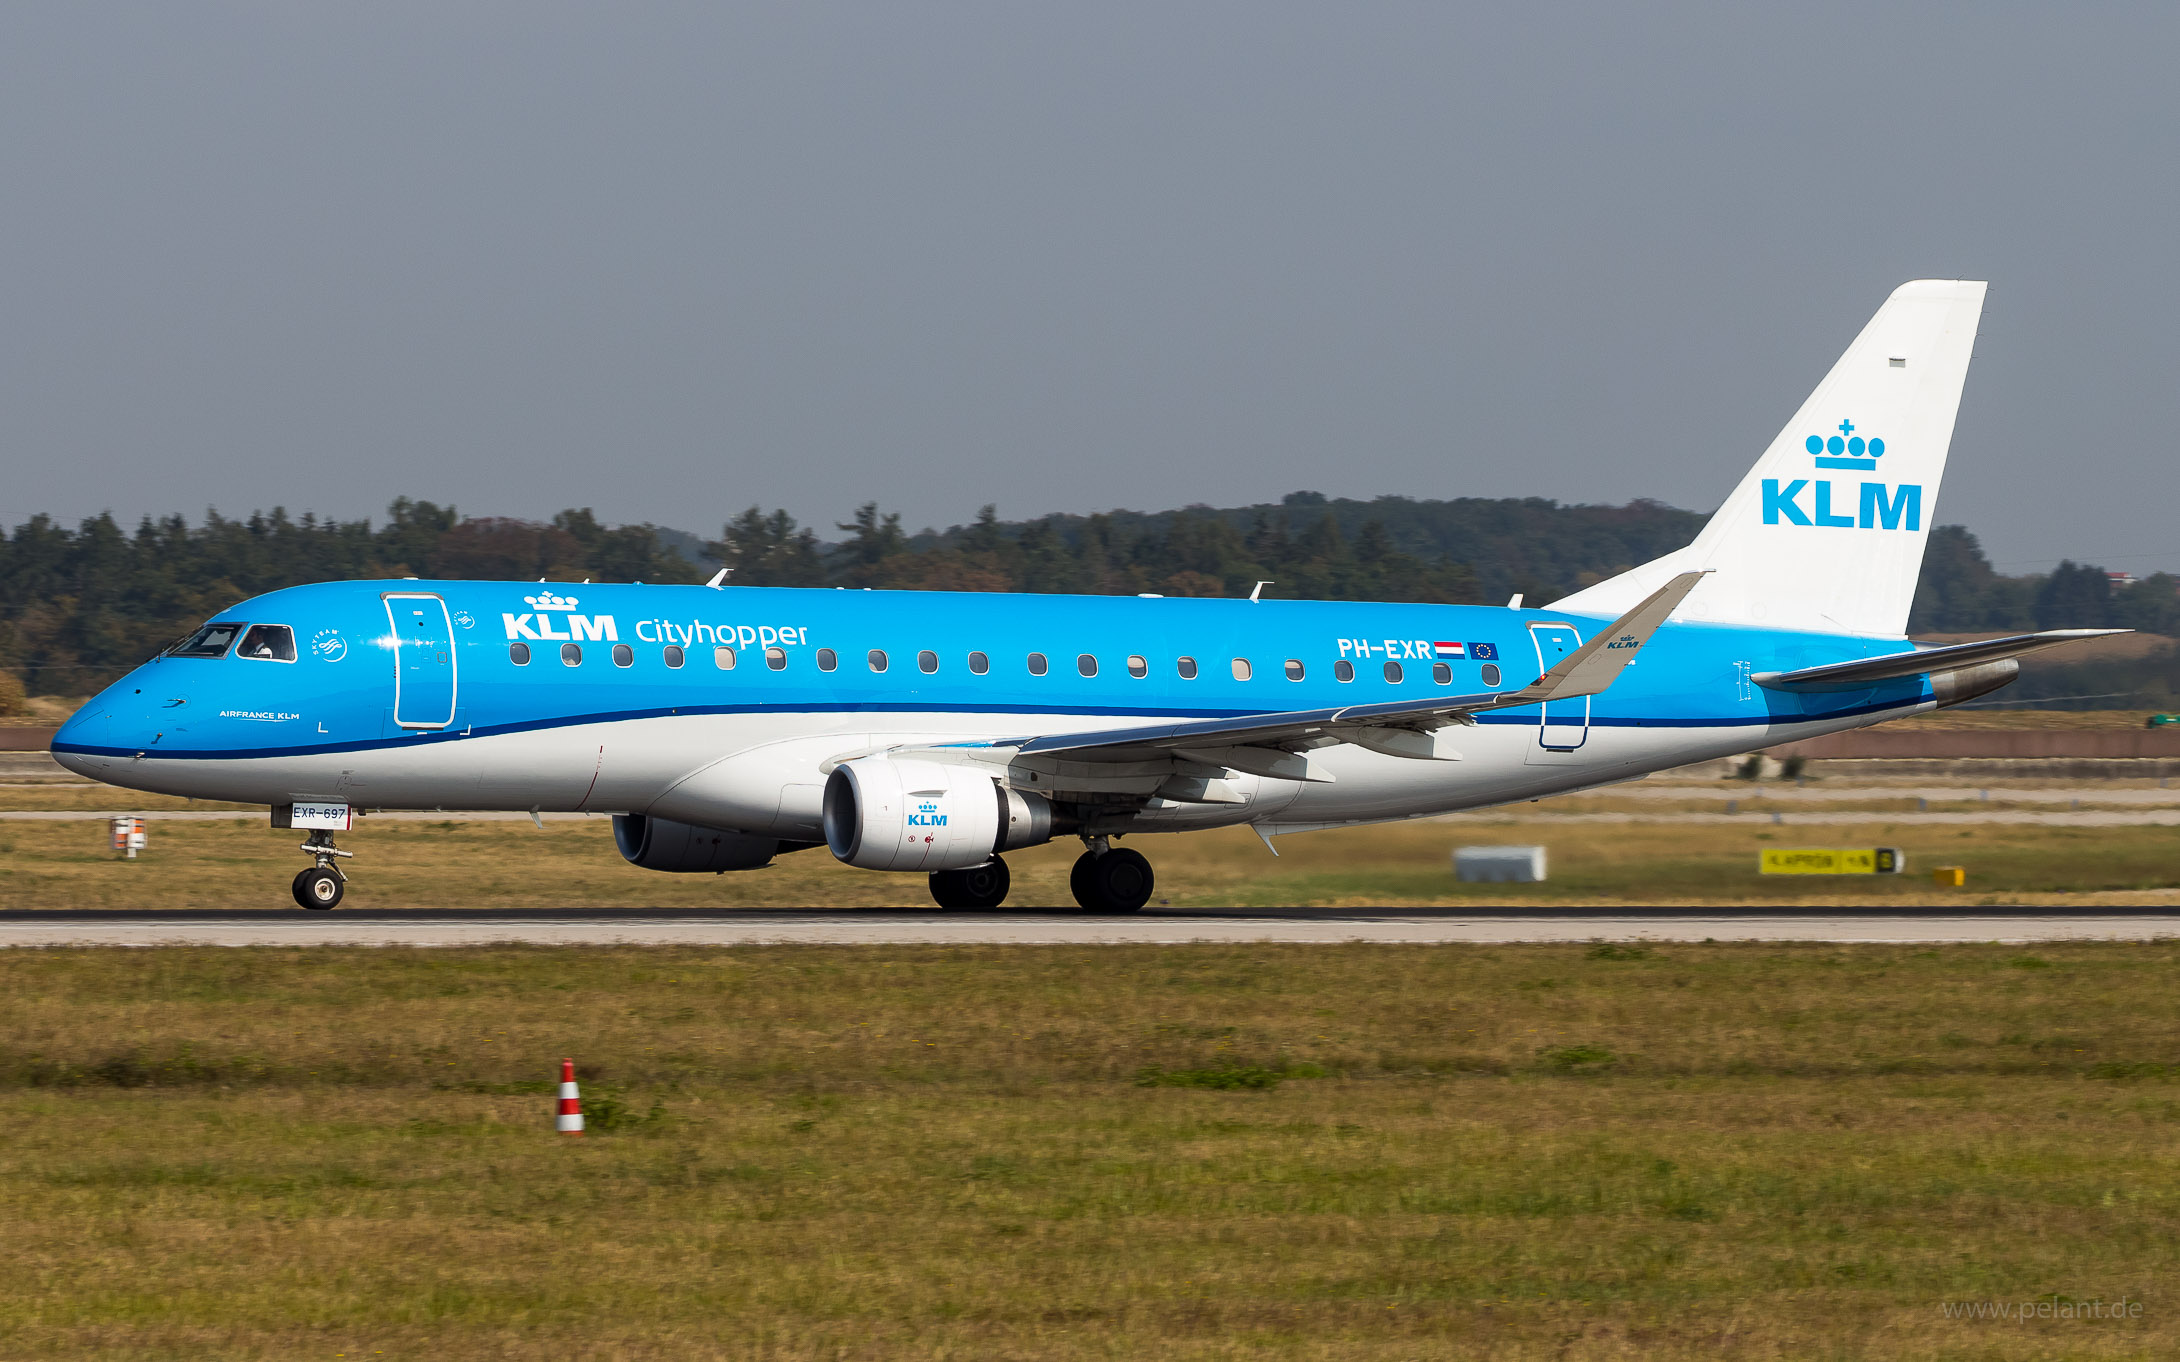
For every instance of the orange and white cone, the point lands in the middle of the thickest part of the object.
(571, 1101)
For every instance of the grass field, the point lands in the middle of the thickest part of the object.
(405, 864)
(1201, 1152)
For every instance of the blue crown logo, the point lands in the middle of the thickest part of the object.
(927, 808)
(1846, 449)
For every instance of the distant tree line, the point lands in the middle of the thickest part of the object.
(1961, 592)
(80, 606)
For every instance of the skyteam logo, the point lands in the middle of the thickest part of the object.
(1846, 449)
(1878, 506)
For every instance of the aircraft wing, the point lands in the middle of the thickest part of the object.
(1855, 675)
(1588, 670)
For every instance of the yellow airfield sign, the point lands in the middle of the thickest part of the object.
(1831, 861)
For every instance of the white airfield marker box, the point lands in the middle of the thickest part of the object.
(1498, 865)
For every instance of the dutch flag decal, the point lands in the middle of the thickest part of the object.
(1454, 650)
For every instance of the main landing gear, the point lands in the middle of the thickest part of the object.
(1109, 879)
(1106, 879)
(320, 886)
(979, 886)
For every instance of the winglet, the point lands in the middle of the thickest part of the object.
(1589, 669)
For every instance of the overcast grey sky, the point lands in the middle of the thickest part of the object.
(671, 261)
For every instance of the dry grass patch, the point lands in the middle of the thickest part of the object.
(241, 863)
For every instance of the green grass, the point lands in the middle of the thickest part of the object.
(1192, 1152)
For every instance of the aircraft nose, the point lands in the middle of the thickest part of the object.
(75, 745)
(119, 722)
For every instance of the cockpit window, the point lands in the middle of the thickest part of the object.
(268, 643)
(210, 641)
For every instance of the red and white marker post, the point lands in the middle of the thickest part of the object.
(571, 1101)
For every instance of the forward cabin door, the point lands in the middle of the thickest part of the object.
(1566, 724)
(423, 659)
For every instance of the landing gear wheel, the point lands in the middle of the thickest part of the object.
(318, 887)
(979, 886)
(1119, 881)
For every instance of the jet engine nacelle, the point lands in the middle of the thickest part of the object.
(660, 844)
(883, 813)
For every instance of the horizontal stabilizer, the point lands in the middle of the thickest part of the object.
(1922, 662)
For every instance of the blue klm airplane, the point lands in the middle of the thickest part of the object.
(933, 732)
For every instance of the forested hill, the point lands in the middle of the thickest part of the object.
(79, 606)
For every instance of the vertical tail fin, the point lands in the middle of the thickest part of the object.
(1827, 530)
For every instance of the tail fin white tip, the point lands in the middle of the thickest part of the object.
(1826, 532)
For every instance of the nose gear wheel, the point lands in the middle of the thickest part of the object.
(321, 886)
(315, 888)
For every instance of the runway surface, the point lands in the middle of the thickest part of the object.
(587, 927)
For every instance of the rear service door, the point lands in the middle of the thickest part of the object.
(1566, 723)
(423, 659)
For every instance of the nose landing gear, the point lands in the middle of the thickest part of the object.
(321, 885)
(1109, 879)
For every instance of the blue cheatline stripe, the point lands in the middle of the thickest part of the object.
(1510, 717)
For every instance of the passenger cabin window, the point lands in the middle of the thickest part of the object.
(210, 641)
(979, 664)
(1086, 664)
(1037, 664)
(877, 659)
(1294, 670)
(776, 659)
(571, 655)
(674, 656)
(519, 654)
(827, 659)
(723, 658)
(623, 655)
(1343, 670)
(927, 662)
(1137, 667)
(1187, 668)
(1392, 672)
(268, 643)
(1441, 673)
(1242, 669)
(1491, 673)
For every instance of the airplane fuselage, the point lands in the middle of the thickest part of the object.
(727, 708)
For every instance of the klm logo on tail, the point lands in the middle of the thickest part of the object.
(1849, 444)
(1880, 507)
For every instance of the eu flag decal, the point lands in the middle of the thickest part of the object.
(1483, 652)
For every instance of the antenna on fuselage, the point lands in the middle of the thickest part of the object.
(1257, 590)
(719, 579)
